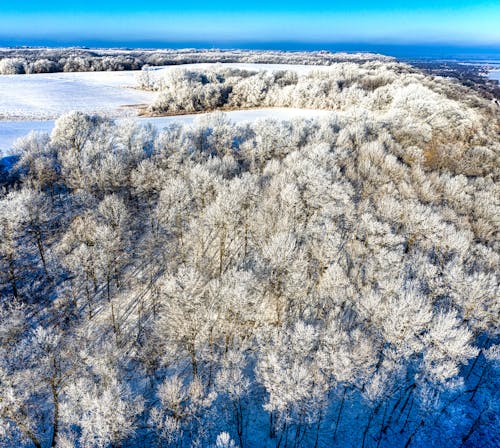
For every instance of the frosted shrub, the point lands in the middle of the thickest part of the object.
(12, 66)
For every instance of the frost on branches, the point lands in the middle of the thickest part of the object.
(328, 282)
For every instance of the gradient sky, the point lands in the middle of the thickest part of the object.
(391, 21)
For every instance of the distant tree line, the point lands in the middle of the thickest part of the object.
(49, 60)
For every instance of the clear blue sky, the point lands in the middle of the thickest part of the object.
(391, 21)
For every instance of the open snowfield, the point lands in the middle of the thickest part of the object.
(10, 131)
(46, 96)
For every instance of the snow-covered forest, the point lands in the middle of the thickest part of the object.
(374, 86)
(319, 282)
(49, 60)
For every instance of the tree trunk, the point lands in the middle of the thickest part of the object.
(391, 415)
(30, 435)
(89, 300)
(41, 251)
(33, 438)
(474, 391)
(318, 426)
(55, 398)
(12, 277)
(407, 416)
(410, 394)
(238, 410)
(113, 319)
(382, 425)
(222, 244)
(408, 442)
(339, 413)
(472, 428)
(272, 429)
(194, 363)
(367, 428)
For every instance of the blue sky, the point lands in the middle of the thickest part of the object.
(391, 22)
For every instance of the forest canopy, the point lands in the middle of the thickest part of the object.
(303, 283)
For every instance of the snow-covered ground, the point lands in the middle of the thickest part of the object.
(46, 96)
(33, 102)
(12, 130)
(494, 74)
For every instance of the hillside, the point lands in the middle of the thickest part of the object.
(330, 281)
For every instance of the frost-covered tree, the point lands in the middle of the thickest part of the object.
(102, 406)
(12, 66)
(307, 283)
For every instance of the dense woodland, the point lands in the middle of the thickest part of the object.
(312, 283)
(373, 86)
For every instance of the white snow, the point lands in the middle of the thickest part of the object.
(494, 74)
(10, 131)
(46, 96)
(33, 102)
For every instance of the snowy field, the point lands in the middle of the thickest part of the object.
(46, 96)
(494, 74)
(10, 131)
(33, 102)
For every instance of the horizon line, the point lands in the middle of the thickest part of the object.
(396, 49)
